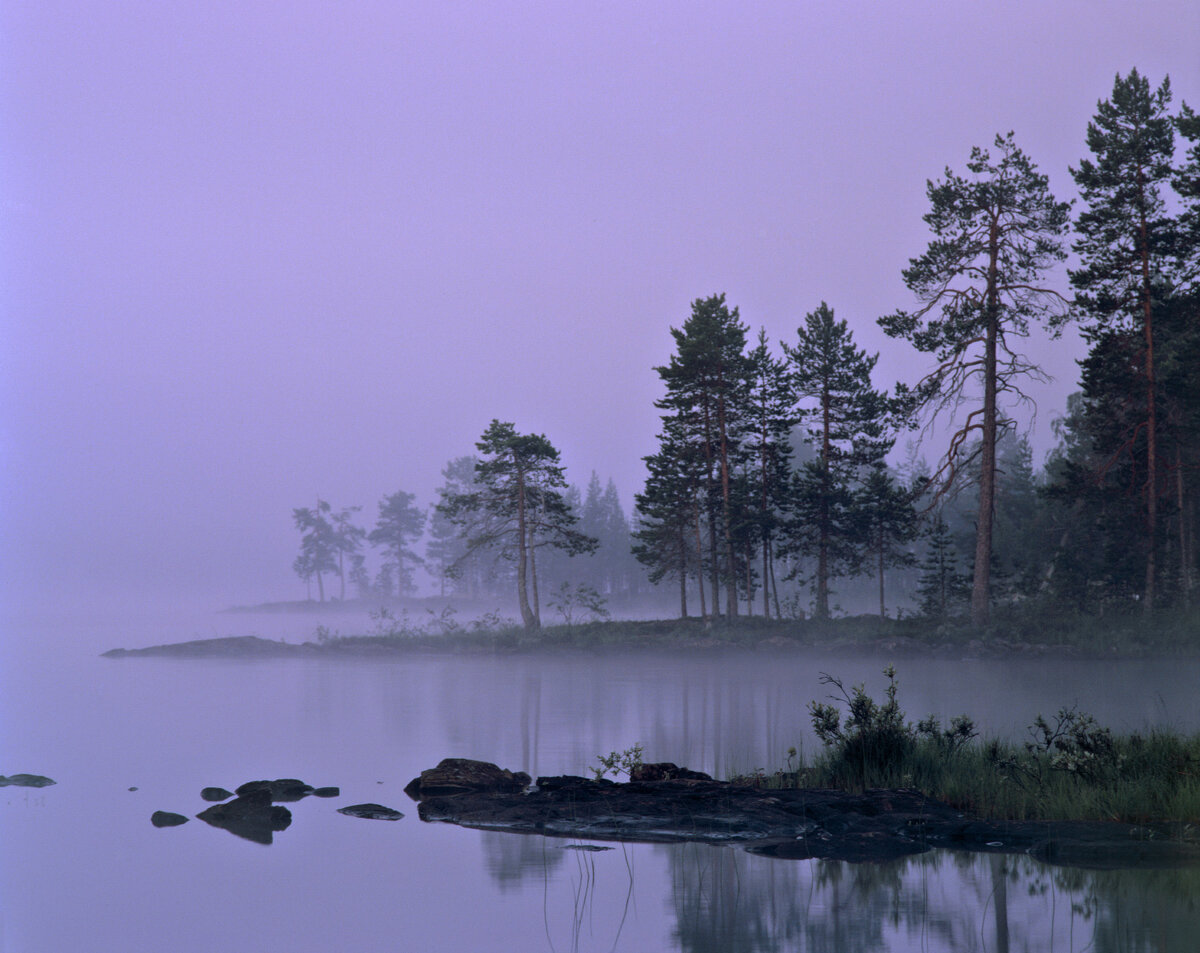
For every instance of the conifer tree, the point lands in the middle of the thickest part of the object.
(1128, 247)
(941, 585)
(845, 418)
(706, 400)
(399, 525)
(517, 506)
(768, 454)
(996, 231)
(888, 524)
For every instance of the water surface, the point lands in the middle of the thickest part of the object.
(81, 867)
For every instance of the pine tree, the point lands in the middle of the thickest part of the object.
(517, 506)
(941, 585)
(996, 232)
(888, 523)
(1128, 247)
(768, 453)
(845, 418)
(318, 544)
(399, 525)
(706, 400)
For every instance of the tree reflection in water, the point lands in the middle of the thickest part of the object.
(727, 900)
(724, 900)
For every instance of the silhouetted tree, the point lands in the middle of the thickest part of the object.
(995, 233)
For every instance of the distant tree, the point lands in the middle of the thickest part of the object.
(399, 525)
(1129, 253)
(941, 587)
(996, 231)
(888, 523)
(347, 541)
(318, 544)
(668, 538)
(846, 421)
(517, 505)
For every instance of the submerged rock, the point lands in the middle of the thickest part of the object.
(167, 819)
(215, 794)
(26, 781)
(251, 816)
(374, 812)
(455, 776)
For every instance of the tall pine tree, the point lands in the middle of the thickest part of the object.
(996, 231)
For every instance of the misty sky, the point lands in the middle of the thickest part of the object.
(252, 252)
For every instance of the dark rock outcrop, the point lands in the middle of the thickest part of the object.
(251, 816)
(795, 823)
(327, 792)
(281, 789)
(455, 776)
(26, 781)
(215, 794)
(374, 812)
(666, 771)
(167, 819)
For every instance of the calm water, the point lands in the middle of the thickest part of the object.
(82, 869)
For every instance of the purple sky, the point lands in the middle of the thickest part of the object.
(255, 252)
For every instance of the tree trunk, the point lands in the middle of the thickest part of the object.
(774, 585)
(683, 561)
(1151, 416)
(882, 607)
(731, 600)
(700, 566)
(527, 616)
(823, 518)
(982, 585)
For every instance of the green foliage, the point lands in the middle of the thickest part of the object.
(617, 763)
(874, 744)
(579, 602)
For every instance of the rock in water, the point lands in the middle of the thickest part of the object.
(26, 781)
(464, 776)
(374, 812)
(327, 792)
(281, 789)
(251, 816)
(167, 819)
(215, 794)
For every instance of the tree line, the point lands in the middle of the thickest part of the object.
(772, 465)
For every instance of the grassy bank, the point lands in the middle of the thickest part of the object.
(1071, 768)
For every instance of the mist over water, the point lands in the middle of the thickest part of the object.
(169, 728)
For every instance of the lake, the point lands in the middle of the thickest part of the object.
(83, 869)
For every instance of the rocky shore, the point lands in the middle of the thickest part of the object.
(662, 803)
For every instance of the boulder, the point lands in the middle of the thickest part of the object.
(374, 812)
(26, 781)
(215, 794)
(281, 789)
(251, 816)
(666, 771)
(167, 819)
(327, 792)
(454, 776)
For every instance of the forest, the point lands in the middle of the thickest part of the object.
(789, 484)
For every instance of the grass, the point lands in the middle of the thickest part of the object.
(1071, 768)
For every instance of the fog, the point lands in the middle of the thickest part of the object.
(252, 256)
